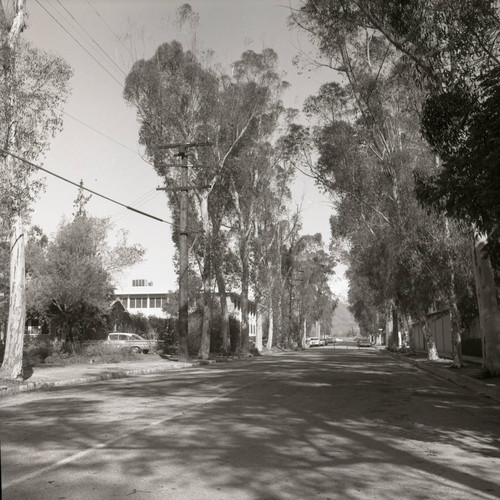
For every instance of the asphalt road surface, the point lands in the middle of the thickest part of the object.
(321, 424)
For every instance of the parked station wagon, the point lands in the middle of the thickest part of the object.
(132, 340)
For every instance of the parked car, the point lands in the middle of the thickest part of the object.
(314, 341)
(364, 343)
(131, 340)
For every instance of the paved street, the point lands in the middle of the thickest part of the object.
(322, 424)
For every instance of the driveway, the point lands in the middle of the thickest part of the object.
(320, 424)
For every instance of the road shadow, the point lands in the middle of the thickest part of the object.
(327, 424)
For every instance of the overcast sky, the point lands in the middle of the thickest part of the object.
(110, 163)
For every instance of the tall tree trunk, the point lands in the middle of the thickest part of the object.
(411, 336)
(456, 332)
(456, 318)
(12, 367)
(395, 327)
(270, 328)
(279, 320)
(303, 336)
(204, 351)
(221, 287)
(245, 278)
(432, 353)
(489, 314)
(258, 331)
(391, 334)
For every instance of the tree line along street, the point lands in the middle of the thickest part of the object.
(402, 139)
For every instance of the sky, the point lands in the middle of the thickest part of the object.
(99, 142)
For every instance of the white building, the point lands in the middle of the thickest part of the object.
(143, 297)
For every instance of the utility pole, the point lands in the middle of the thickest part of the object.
(183, 241)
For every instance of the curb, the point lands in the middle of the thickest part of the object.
(489, 390)
(114, 373)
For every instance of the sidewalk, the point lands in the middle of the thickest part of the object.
(48, 376)
(464, 377)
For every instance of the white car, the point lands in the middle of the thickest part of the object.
(132, 340)
(314, 341)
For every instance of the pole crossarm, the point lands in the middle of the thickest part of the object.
(183, 145)
(168, 165)
(183, 188)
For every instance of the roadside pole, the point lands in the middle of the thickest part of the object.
(183, 259)
(184, 231)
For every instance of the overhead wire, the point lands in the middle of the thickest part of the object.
(80, 44)
(107, 137)
(145, 198)
(92, 39)
(109, 27)
(96, 193)
(148, 196)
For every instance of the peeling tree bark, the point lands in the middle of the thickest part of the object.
(245, 281)
(12, 367)
(270, 329)
(258, 332)
(221, 286)
(432, 352)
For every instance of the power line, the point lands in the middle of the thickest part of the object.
(92, 39)
(38, 167)
(106, 136)
(121, 214)
(109, 27)
(81, 45)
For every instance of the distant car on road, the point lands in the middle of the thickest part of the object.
(131, 340)
(364, 343)
(314, 341)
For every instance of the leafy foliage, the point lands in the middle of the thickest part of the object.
(40, 86)
(71, 277)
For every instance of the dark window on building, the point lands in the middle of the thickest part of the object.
(157, 302)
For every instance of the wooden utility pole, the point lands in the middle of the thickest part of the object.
(183, 242)
(183, 260)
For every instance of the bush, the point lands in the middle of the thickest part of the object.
(53, 351)
(105, 353)
(36, 350)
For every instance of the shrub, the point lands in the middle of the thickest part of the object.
(36, 350)
(105, 353)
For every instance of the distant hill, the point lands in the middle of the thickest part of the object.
(343, 321)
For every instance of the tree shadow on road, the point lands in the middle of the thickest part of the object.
(328, 425)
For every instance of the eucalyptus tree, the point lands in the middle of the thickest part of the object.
(181, 100)
(379, 110)
(274, 226)
(311, 268)
(453, 49)
(33, 86)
